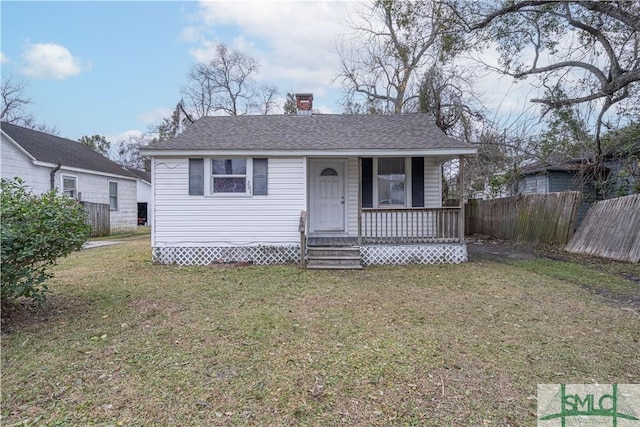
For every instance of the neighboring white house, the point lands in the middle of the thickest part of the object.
(145, 202)
(233, 189)
(45, 161)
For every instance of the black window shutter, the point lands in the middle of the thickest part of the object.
(260, 175)
(196, 177)
(417, 182)
(367, 182)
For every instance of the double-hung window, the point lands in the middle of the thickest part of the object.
(113, 195)
(391, 181)
(229, 176)
(69, 186)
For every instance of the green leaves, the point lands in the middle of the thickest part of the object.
(36, 230)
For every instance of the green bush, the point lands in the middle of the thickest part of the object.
(36, 230)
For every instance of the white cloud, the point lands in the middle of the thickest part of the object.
(293, 40)
(191, 34)
(155, 116)
(125, 136)
(3, 58)
(51, 61)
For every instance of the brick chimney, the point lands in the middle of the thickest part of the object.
(304, 104)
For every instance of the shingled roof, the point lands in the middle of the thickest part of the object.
(53, 149)
(328, 132)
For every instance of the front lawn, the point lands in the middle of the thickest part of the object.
(125, 342)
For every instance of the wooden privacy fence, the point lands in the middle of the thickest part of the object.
(99, 216)
(532, 218)
(611, 229)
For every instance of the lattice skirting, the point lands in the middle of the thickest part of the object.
(260, 255)
(441, 253)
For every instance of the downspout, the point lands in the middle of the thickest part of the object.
(52, 175)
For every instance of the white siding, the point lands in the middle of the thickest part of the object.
(14, 163)
(90, 187)
(144, 192)
(184, 220)
(125, 218)
(353, 187)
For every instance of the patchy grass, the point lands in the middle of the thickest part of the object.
(125, 342)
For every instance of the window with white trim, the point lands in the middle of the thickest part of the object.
(69, 186)
(113, 195)
(196, 177)
(229, 176)
(391, 181)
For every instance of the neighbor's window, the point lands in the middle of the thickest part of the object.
(229, 176)
(113, 195)
(69, 186)
(391, 181)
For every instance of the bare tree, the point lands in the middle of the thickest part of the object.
(128, 152)
(224, 84)
(265, 99)
(14, 106)
(582, 51)
(15, 102)
(392, 45)
(447, 94)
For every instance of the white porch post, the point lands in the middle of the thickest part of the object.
(461, 197)
(359, 201)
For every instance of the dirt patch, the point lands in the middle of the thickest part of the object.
(480, 247)
(585, 268)
(26, 314)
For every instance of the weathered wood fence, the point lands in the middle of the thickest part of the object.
(611, 229)
(99, 216)
(532, 218)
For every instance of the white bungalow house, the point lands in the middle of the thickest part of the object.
(233, 189)
(45, 162)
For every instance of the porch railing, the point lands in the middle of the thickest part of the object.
(411, 225)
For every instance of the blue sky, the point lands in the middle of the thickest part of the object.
(113, 68)
(116, 68)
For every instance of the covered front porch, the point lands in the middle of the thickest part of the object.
(391, 221)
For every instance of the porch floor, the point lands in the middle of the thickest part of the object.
(320, 242)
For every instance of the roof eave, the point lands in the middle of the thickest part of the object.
(386, 152)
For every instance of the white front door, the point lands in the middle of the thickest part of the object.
(327, 196)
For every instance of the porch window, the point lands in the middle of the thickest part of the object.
(391, 181)
(229, 176)
(113, 195)
(69, 187)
